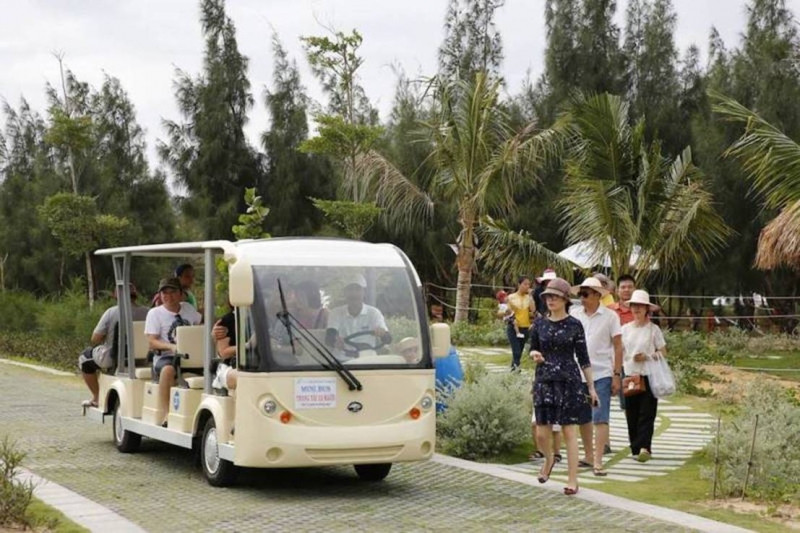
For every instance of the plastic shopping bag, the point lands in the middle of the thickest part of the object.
(662, 382)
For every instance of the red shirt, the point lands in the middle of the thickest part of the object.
(624, 312)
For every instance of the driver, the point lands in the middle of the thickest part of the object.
(356, 317)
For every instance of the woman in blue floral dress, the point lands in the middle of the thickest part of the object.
(558, 345)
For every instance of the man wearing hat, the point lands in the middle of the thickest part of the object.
(104, 339)
(356, 317)
(603, 333)
(159, 327)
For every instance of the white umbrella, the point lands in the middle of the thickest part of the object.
(585, 255)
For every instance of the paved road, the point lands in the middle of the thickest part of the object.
(161, 488)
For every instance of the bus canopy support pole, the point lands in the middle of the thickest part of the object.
(122, 278)
(210, 345)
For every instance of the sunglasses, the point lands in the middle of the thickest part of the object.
(584, 294)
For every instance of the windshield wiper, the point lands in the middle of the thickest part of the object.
(329, 361)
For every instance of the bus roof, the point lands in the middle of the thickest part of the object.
(286, 251)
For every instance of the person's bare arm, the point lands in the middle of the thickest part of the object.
(97, 338)
(224, 348)
(615, 381)
(155, 343)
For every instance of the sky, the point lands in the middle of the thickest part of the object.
(143, 42)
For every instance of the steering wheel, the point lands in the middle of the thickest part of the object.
(359, 346)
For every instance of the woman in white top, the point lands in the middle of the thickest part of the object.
(642, 341)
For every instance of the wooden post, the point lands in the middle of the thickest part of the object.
(750, 459)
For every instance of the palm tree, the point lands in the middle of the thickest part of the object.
(479, 163)
(772, 161)
(620, 192)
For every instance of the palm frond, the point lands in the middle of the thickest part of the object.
(779, 242)
(509, 251)
(768, 156)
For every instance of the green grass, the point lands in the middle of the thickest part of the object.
(783, 364)
(42, 515)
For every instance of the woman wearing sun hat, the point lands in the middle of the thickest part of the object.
(642, 341)
(558, 395)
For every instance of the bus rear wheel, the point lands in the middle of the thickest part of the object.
(373, 472)
(125, 441)
(218, 471)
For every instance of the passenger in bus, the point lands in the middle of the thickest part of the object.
(224, 333)
(104, 339)
(310, 311)
(185, 273)
(160, 327)
(409, 349)
(356, 317)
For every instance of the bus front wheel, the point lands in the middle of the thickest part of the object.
(218, 471)
(373, 472)
(125, 441)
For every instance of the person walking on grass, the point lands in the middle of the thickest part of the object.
(604, 345)
(642, 341)
(520, 304)
(557, 341)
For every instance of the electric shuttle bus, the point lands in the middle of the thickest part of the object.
(333, 360)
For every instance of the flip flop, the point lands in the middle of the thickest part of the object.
(584, 464)
(569, 491)
(544, 477)
(558, 457)
(535, 456)
(599, 472)
(89, 403)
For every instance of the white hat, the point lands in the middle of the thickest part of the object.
(356, 279)
(591, 283)
(642, 298)
(548, 275)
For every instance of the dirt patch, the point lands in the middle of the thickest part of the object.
(787, 516)
(731, 379)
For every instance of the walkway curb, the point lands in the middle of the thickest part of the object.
(652, 511)
(38, 368)
(80, 510)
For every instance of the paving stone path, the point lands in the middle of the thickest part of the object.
(680, 432)
(161, 488)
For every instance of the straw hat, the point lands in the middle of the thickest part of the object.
(559, 287)
(642, 298)
(591, 283)
(548, 275)
(607, 282)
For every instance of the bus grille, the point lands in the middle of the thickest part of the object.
(340, 455)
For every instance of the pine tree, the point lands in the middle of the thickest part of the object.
(292, 177)
(601, 62)
(472, 42)
(208, 153)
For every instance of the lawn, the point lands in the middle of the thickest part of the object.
(783, 364)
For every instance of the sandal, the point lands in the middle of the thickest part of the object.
(584, 464)
(599, 471)
(558, 457)
(542, 477)
(89, 403)
(569, 491)
(535, 456)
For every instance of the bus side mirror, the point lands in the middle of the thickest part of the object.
(240, 283)
(440, 340)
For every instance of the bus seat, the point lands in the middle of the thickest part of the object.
(193, 381)
(144, 373)
(191, 341)
(141, 344)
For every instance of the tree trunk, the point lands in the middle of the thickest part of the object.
(89, 279)
(465, 262)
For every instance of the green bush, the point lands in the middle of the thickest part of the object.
(59, 352)
(20, 311)
(485, 418)
(487, 334)
(776, 458)
(70, 315)
(687, 352)
(15, 495)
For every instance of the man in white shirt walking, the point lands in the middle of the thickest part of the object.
(604, 344)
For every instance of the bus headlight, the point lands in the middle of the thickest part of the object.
(426, 403)
(270, 407)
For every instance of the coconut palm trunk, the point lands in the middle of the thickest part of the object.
(465, 262)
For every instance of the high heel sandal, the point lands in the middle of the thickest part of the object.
(542, 477)
(569, 491)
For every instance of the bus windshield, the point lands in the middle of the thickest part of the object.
(329, 317)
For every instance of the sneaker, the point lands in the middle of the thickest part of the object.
(643, 456)
(514, 368)
(219, 378)
(607, 450)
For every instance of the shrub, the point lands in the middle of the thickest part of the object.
(59, 352)
(776, 456)
(687, 352)
(70, 315)
(486, 334)
(15, 495)
(485, 418)
(20, 311)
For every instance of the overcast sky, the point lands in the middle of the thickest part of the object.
(141, 42)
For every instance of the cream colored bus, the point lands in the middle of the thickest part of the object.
(333, 357)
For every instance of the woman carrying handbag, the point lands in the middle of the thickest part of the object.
(642, 341)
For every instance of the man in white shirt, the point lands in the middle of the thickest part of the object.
(159, 327)
(604, 344)
(357, 317)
